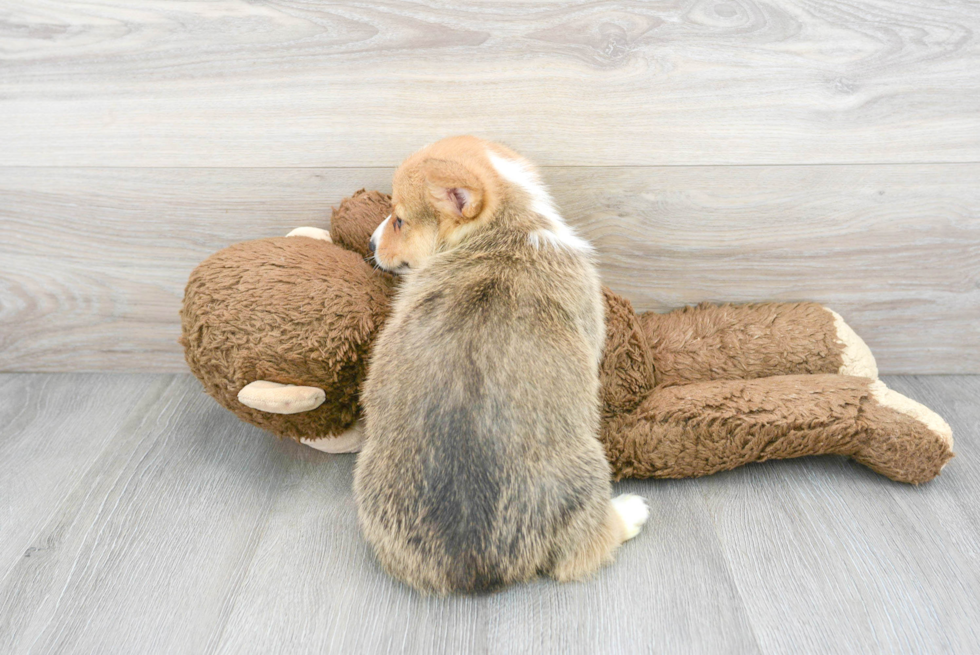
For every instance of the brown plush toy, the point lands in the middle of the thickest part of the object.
(279, 331)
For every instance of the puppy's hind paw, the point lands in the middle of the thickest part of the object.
(633, 511)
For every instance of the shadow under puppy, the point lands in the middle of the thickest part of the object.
(482, 465)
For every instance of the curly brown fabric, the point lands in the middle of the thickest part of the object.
(290, 310)
(354, 221)
(742, 342)
(701, 428)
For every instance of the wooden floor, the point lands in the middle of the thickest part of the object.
(137, 516)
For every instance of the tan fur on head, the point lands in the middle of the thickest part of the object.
(455, 193)
(435, 194)
(451, 189)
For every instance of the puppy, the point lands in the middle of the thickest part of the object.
(481, 465)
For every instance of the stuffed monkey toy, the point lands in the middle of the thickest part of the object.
(279, 331)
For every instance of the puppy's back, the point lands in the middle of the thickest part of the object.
(481, 465)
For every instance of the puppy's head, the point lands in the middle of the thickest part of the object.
(439, 195)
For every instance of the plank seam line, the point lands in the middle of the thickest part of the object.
(546, 166)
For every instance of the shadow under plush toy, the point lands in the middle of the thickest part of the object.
(279, 331)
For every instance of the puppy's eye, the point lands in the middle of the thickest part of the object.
(398, 223)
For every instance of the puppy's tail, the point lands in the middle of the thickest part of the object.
(474, 575)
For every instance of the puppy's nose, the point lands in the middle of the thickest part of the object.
(371, 244)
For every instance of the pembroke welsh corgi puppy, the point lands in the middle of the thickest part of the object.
(481, 465)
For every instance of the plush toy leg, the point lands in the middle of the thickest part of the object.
(742, 342)
(702, 428)
(896, 445)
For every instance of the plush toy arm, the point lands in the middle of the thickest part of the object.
(743, 342)
(277, 398)
(350, 441)
(699, 429)
(311, 232)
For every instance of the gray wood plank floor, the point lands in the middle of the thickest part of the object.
(138, 516)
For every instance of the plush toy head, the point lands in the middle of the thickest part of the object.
(353, 222)
(290, 310)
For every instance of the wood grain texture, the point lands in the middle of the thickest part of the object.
(191, 532)
(37, 415)
(94, 261)
(889, 554)
(318, 588)
(147, 552)
(894, 249)
(301, 83)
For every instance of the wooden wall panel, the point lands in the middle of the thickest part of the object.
(894, 249)
(301, 83)
(93, 261)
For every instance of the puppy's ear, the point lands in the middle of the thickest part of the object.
(453, 189)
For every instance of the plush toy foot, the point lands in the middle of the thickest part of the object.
(311, 232)
(349, 442)
(857, 357)
(702, 428)
(905, 440)
(278, 398)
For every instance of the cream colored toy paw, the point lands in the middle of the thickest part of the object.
(857, 357)
(349, 442)
(900, 403)
(311, 232)
(277, 398)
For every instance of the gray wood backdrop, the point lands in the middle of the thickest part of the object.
(713, 150)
